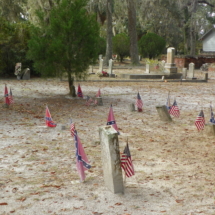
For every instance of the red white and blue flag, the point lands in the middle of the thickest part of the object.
(200, 121)
(174, 110)
(81, 158)
(89, 100)
(49, 121)
(212, 120)
(139, 103)
(72, 128)
(80, 94)
(111, 119)
(98, 94)
(126, 162)
(6, 95)
(11, 97)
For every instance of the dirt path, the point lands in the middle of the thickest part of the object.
(174, 163)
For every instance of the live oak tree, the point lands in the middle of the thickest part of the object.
(68, 43)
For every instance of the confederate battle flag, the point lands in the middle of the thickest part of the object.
(49, 121)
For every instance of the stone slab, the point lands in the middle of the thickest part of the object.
(111, 163)
(163, 113)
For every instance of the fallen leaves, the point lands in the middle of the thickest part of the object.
(3, 203)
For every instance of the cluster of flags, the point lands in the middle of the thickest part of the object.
(82, 162)
(89, 100)
(8, 97)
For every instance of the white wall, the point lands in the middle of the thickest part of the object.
(209, 42)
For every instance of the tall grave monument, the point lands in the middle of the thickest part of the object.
(170, 66)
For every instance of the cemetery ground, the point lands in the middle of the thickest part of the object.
(174, 163)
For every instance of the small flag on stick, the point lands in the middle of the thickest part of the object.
(81, 158)
(6, 95)
(168, 102)
(72, 128)
(88, 100)
(212, 120)
(49, 121)
(111, 119)
(174, 110)
(98, 94)
(139, 103)
(80, 94)
(126, 162)
(200, 121)
(11, 97)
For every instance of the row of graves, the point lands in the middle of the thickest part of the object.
(113, 163)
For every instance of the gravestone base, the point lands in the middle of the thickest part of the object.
(5, 106)
(210, 129)
(112, 75)
(170, 68)
(163, 113)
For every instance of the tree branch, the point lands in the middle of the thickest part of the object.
(205, 2)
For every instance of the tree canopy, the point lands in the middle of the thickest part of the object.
(67, 44)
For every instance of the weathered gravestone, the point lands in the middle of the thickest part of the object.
(206, 76)
(147, 68)
(100, 57)
(111, 159)
(100, 65)
(163, 113)
(170, 66)
(184, 73)
(26, 74)
(18, 68)
(210, 129)
(110, 67)
(132, 107)
(190, 73)
(99, 101)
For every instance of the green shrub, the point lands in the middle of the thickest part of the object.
(151, 45)
(121, 45)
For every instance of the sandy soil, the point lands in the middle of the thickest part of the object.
(174, 163)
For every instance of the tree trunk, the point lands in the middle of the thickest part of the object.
(108, 54)
(193, 28)
(72, 90)
(132, 32)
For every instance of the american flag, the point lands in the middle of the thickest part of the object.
(81, 158)
(72, 128)
(98, 94)
(174, 110)
(126, 162)
(168, 103)
(11, 97)
(212, 120)
(6, 95)
(139, 103)
(80, 94)
(200, 121)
